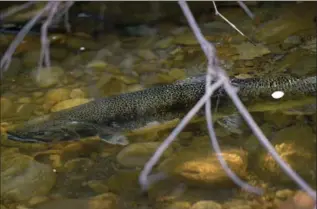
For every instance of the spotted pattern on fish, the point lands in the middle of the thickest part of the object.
(115, 114)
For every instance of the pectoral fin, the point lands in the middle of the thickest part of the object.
(111, 136)
(232, 123)
(116, 139)
(106, 134)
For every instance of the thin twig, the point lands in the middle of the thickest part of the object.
(246, 9)
(66, 22)
(15, 9)
(6, 59)
(243, 111)
(231, 24)
(144, 176)
(265, 142)
(223, 79)
(45, 50)
(217, 149)
(213, 68)
(64, 13)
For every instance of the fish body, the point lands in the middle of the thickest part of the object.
(109, 117)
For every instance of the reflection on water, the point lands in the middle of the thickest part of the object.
(90, 173)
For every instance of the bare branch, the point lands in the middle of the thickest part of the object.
(265, 142)
(66, 21)
(45, 50)
(15, 9)
(231, 24)
(212, 69)
(64, 13)
(246, 9)
(215, 70)
(6, 59)
(144, 176)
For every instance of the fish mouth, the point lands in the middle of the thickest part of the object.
(38, 137)
(51, 131)
(15, 137)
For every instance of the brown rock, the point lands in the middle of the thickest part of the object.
(137, 154)
(300, 201)
(69, 103)
(56, 95)
(199, 165)
(206, 205)
(295, 144)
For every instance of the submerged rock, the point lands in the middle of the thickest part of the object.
(288, 23)
(23, 178)
(69, 103)
(249, 51)
(47, 77)
(299, 201)
(291, 41)
(124, 182)
(147, 54)
(186, 39)
(206, 205)
(31, 58)
(138, 154)
(56, 95)
(2, 207)
(310, 45)
(58, 53)
(6, 106)
(103, 201)
(14, 69)
(77, 93)
(198, 165)
(295, 145)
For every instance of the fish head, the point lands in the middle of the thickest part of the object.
(42, 129)
(38, 135)
(45, 130)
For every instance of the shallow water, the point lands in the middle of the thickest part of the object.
(92, 174)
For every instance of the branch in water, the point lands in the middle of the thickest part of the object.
(215, 70)
(51, 10)
(15, 9)
(6, 59)
(231, 24)
(246, 9)
(45, 43)
(45, 50)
